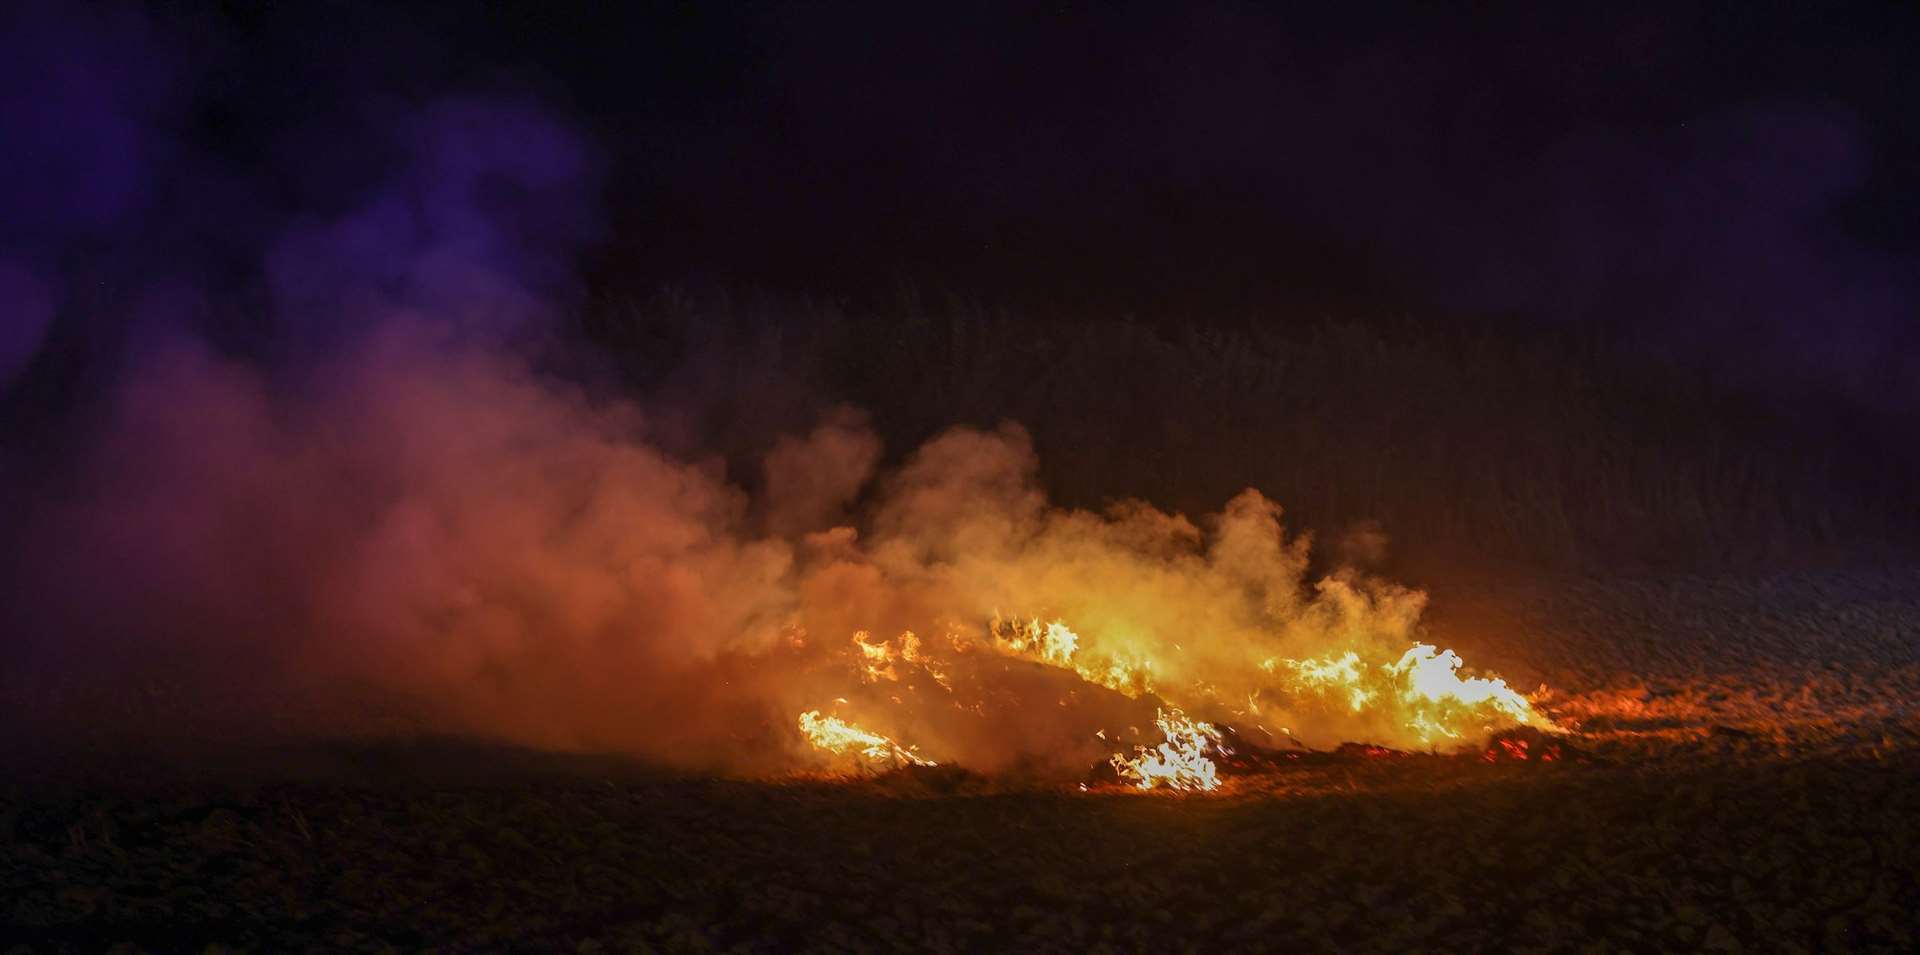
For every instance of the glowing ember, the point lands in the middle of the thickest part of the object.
(833, 735)
(1179, 763)
(1521, 749)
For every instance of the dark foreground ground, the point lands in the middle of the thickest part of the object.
(1751, 783)
(1707, 852)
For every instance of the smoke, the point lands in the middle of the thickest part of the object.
(810, 483)
(479, 227)
(1716, 228)
(426, 531)
(28, 307)
(80, 91)
(385, 514)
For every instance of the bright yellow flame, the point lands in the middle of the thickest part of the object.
(1057, 644)
(1133, 678)
(1424, 685)
(1051, 642)
(876, 661)
(1179, 763)
(834, 735)
(1417, 697)
(1431, 674)
(1421, 691)
(1343, 669)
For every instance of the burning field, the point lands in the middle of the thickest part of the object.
(1184, 645)
(630, 606)
(921, 709)
(1663, 836)
(422, 646)
(427, 535)
(427, 528)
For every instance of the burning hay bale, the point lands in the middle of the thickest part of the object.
(1411, 698)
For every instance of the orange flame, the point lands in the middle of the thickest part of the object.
(1423, 688)
(830, 734)
(1179, 763)
(1419, 696)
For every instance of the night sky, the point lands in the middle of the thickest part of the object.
(1736, 181)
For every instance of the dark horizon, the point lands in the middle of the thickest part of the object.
(1733, 184)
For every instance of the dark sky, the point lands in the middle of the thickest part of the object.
(1495, 158)
(1740, 178)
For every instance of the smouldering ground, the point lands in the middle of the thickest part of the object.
(1753, 782)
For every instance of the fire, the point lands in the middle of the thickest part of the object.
(1433, 676)
(834, 735)
(1343, 672)
(1055, 643)
(1423, 687)
(1417, 696)
(877, 659)
(1006, 631)
(1051, 642)
(1179, 763)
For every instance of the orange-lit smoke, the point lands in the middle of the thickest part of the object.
(427, 536)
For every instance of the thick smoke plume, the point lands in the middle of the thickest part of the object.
(424, 530)
(369, 506)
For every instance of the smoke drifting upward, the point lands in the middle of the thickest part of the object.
(423, 528)
(479, 227)
(383, 516)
